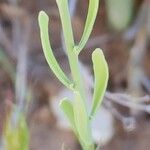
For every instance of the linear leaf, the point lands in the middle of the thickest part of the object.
(91, 17)
(51, 60)
(82, 120)
(101, 78)
(67, 108)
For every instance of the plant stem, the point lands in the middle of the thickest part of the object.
(73, 61)
(74, 65)
(70, 44)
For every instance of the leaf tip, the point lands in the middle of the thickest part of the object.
(62, 102)
(96, 52)
(43, 17)
(98, 55)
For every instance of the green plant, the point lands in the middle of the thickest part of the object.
(15, 130)
(16, 134)
(80, 118)
(119, 13)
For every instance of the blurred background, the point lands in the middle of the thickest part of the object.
(122, 30)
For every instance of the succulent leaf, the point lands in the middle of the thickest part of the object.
(67, 108)
(91, 17)
(101, 78)
(51, 60)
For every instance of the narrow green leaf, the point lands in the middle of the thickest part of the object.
(67, 108)
(51, 60)
(81, 120)
(63, 7)
(101, 78)
(91, 17)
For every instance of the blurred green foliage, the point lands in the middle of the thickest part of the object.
(119, 13)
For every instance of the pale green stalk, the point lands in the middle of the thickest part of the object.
(69, 42)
